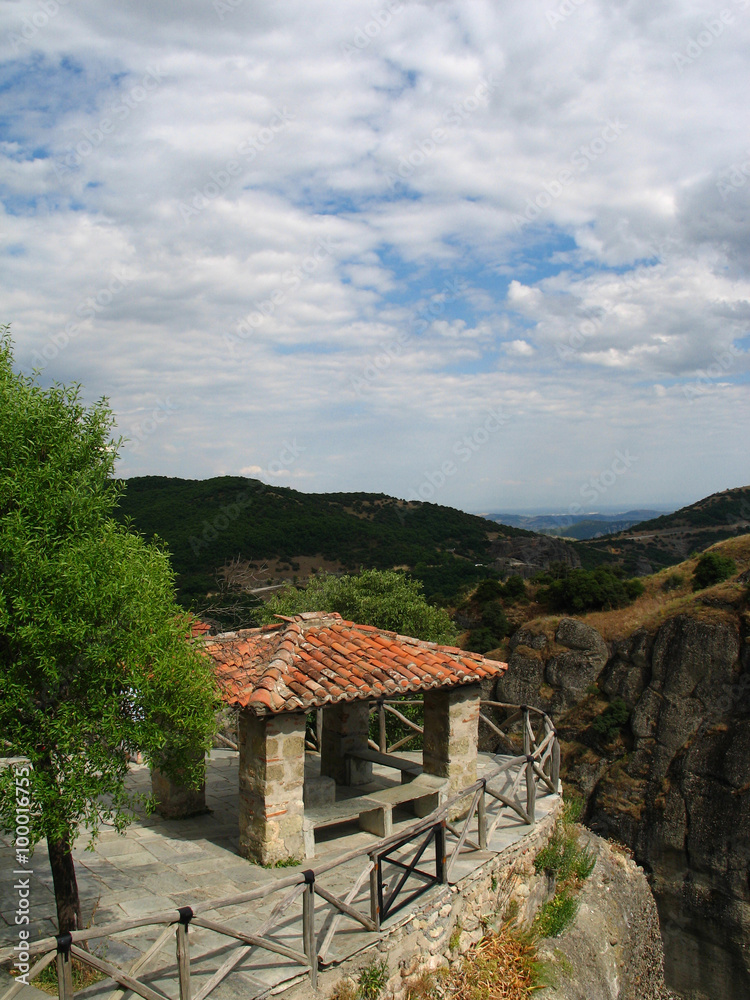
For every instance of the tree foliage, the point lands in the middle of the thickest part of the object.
(207, 523)
(590, 590)
(712, 568)
(94, 662)
(383, 598)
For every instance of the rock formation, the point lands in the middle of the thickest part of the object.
(613, 950)
(675, 786)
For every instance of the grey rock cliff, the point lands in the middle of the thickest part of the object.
(613, 949)
(680, 798)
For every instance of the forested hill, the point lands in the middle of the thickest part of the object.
(276, 533)
(725, 509)
(665, 540)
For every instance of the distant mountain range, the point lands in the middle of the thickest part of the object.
(584, 526)
(670, 538)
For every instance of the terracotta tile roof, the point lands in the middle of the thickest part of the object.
(198, 628)
(315, 659)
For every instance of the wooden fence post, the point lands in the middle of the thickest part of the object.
(555, 775)
(530, 789)
(183, 951)
(482, 818)
(374, 903)
(308, 926)
(525, 724)
(64, 968)
(381, 727)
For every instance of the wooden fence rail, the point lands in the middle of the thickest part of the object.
(466, 818)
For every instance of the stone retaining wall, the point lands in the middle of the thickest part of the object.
(454, 917)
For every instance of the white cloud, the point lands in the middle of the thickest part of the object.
(597, 268)
(519, 348)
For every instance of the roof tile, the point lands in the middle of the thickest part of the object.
(316, 659)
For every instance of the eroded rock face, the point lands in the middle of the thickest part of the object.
(552, 670)
(628, 670)
(681, 797)
(613, 950)
(526, 555)
(583, 658)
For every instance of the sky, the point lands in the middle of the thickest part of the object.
(491, 255)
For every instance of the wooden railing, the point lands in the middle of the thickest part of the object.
(466, 820)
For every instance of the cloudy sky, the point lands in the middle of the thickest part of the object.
(495, 255)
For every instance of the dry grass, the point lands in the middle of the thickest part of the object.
(656, 604)
(425, 986)
(502, 967)
(346, 989)
(83, 976)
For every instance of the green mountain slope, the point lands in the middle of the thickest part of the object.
(275, 533)
(666, 540)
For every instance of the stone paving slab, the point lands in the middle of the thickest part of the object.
(161, 865)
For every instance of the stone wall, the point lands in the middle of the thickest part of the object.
(453, 915)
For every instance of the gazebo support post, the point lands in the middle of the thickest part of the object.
(451, 724)
(272, 777)
(174, 799)
(345, 728)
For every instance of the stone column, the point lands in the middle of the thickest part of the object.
(451, 722)
(174, 800)
(345, 727)
(272, 778)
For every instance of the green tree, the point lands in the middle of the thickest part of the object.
(589, 590)
(94, 659)
(383, 598)
(712, 568)
(514, 588)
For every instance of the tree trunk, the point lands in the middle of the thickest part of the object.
(66, 886)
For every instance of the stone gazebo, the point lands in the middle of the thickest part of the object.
(277, 674)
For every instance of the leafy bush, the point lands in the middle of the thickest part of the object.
(571, 864)
(514, 588)
(556, 915)
(672, 581)
(633, 588)
(493, 617)
(611, 721)
(590, 590)
(481, 640)
(383, 598)
(564, 857)
(712, 568)
(372, 979)
(488, 590)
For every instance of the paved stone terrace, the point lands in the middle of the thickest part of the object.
(160, 865)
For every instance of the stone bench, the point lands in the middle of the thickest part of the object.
(426, 791)
(374, 811)
(409, 768)
(371, 816)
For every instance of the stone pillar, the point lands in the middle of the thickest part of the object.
(345, 727)
(272, 778)
(451, 722)
(174, 800)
